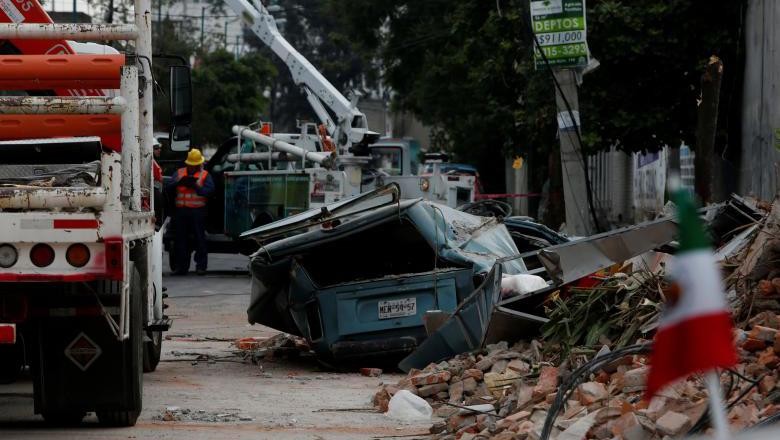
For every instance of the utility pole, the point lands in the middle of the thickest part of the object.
(238, 51)
(575, 194)
(225, 39)
(74, 13)
(202, 25)
(760, 112)
(706, 127)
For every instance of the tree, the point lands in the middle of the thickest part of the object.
(170, 41)
(466, 66)
(311, 29)
(227, 91)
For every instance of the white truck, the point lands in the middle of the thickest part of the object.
(355, 149)
(81, 302)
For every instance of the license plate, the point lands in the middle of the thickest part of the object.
(397, 307)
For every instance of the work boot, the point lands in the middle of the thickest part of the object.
(201, 272)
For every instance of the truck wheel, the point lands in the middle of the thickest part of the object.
(133, 348)
(11, 358)
(64, 418)
(152, 351)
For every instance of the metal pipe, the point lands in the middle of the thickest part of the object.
(253, 157)
(62, 105)
(143, 48)
(67, 31)
(52, 198)
(324, 159)
(131, 191)
(111, 180)
(42, 126)
(39, 71)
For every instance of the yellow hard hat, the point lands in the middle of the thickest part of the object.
(194, 157)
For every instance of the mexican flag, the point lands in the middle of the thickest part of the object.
(695, 333)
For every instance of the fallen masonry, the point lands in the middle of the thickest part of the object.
(585, 376)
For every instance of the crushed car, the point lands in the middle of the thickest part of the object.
(356, 278)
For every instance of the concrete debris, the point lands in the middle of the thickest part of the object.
(371, 372)
(176, 414)
(278, 346)
(585, 378)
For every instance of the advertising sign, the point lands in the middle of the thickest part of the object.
(559, 26)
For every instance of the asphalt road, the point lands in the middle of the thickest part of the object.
(224, 397)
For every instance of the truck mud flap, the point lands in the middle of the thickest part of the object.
(81, 366)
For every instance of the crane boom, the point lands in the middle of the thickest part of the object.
(350, 130)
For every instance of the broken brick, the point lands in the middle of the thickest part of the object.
(762, 333)
(519, 366)
(455, 422)
(499, 366)
(371, 372)
(485, 363)
(592, 392)
(381, 400)
(548, 381)
(634, 380)
(516, 417)
(473, 372)
(429, 390)
(469, 385)
(768, 358)
(673, 423)
(431, 378)
(752, 344)
(456, 392)
(767, 384)
(657, 407)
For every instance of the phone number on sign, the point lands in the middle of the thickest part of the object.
(568, 50)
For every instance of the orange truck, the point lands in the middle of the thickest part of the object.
(80, 257)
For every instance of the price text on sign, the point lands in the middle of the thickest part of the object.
(560, 29)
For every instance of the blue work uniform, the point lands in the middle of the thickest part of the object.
(189, 218)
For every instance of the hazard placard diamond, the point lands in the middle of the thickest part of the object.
(82, 351)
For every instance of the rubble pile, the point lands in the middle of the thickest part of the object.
(521, 389)
(582, 379)
(280, 345)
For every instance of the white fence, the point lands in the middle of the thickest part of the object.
(629, 188)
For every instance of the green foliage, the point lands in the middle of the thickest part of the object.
(466, 67)
(652, 57)
(314, 32)
(169, 39)
(617, 311)
(227, 91)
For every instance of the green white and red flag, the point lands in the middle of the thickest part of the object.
(695, 333)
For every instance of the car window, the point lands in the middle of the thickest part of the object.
(387, 159)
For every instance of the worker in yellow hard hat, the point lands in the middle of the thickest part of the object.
(192, 185)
